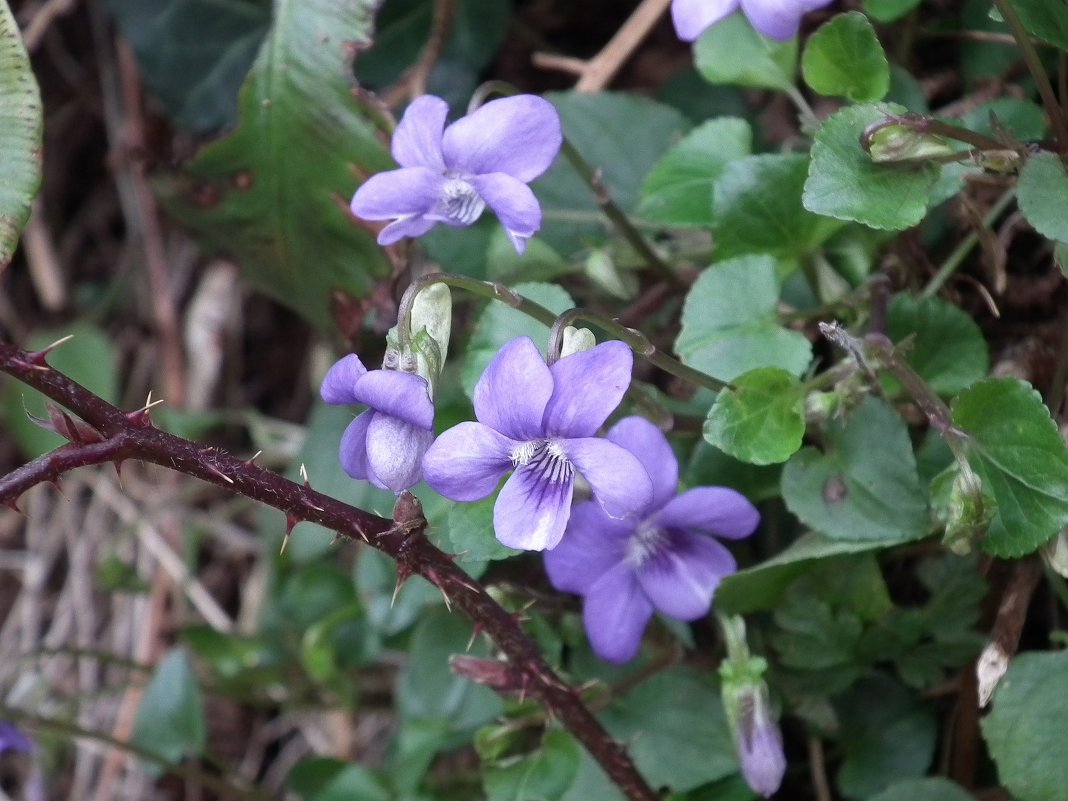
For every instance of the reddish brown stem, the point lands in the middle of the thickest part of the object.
(128, 436)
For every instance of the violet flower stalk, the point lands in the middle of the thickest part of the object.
(449, 175)
(662, 559)
(539, 422)
(776, 19)
(385, 444)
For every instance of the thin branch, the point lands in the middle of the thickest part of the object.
(132, 435)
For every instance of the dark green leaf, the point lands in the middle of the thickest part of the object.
(21, 120)
(761, 419)
(1025, 729)
(1046, 19)
(930, 789)
(678, 190)
(756, 208)
(863, 486)
(1043, 194)
(729, 324)
(1020, 118)
(544, 774)
(329, 779)
(170, 717)
(470, 533)
(844, 183)
(732, 52)
(889, 10)
(947, 348)
(388, 609)
(274, 193)
(844, 58)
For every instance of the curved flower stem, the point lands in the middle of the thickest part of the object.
(117, 436)
(1054, 110)
(637, 341)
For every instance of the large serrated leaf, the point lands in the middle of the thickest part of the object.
(20, 135)
(274, 193)
(1043, 193)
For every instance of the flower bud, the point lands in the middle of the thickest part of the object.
(968, 512)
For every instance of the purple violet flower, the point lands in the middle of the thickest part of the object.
(776, 19)
(540, 421)
(760, 746)
(385, 444)
(12, 739)
(450, 175)
(660, 559)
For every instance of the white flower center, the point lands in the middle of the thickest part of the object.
(545, 457)
(460, 203)
(646, 541)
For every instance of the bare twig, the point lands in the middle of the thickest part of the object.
(993, 662)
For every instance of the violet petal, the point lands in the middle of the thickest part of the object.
(407, 192)
(618, 480)
(692, 17)
(466, 462)
(339, 381)
(684, 572)
(352, 453)
(643, 439)
(518, 135)
(615, 614)
(774, 18)
(12, 739)
(417, 140)
(513, 203)
(593, 543)
(532, 511)
(587, 386)
(713, 510)
(510, 396)
(763, 761)
(405, 227)
(401, 395)
(395, 451)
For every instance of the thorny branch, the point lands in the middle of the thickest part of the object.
(121, 436)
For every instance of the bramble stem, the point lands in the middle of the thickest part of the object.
(125, 436)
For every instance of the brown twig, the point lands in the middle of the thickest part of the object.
(413, 82)
(993, 662)
(124, 436)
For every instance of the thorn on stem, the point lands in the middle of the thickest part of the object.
(38, 359)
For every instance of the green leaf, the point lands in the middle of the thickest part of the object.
(469, 533)
(170, 717)
(762, 586)
(1043, 195)
(844, 58)
(678, 190)
(194, 54)
(375, 579)
(619, 134)
(274, 192)
(815, 636)
(947, 348)
(1046, 19)
(844, 183)
(21, 120)
(89, 358)
(863, 486)
(1025, 729)
(732, 52)
(329, 779)
(756, 208)
(729, 324)
(544, 774)
(889, 10)
(1020, 118)
(887, 735)
(761, 419)
(500, 323)
(933, 788)
(1017, 451)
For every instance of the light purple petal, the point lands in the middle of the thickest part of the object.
(417, 140)
(407, 226)
(713, 510)
(395, 452)
(593, 544)
(683, 573)
(531, 511)
(763, 761)
(650, 446)
(352, 453)
(618, 480)
(340, 379)
(513, 203)
(466, 462)
(692, 17)
(407, 192)
(615, 614)
(518, 135)
(587, 386)
(774, 18)
(510, 396)
(12, 739)
(401, 395)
